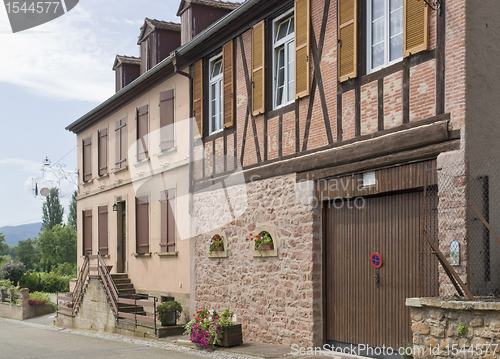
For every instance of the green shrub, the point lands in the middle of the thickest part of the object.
(6, 284)
(13, 271)
(65, 269)
(32, 281)
(51, 283)
(462, 329)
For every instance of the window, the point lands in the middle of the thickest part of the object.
(103, 230)
(87, 232)
(384, 33)
(142, 132)
(142, 224)
(87, 156)
(166, 120)
(168, 228)
(103, 151)
(283, 60)
(121, 144)
(215, 94)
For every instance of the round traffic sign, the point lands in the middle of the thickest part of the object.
(376, 260)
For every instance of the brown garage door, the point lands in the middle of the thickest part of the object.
(358, 309)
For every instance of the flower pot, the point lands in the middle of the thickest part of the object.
(219, 248)
(169, 319)
(232, 336)
(266, 247)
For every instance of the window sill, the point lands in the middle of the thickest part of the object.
(167, 254)
(218, 254)
(88, 183)
(142, 255)
(266, 253)
(119, 170)
(103, 177)
(166, 152)
(281, 110)
(142, 162)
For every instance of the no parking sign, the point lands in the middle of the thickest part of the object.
(376, 260)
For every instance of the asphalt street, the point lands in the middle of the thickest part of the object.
(25, 340)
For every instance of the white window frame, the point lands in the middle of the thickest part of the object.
(276, 45)
(218, 82)
(387, 21)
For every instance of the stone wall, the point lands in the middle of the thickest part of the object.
(436, 328)
(23, 310)
(276, 298)
(95, 312)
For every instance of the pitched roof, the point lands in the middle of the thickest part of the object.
(152, 24)
(122, 59)
(212, 3)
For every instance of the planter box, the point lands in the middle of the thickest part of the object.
(232, 336)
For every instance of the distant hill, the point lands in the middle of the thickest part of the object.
(14, 234)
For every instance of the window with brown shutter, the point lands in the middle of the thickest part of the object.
(416, 27)
(121, 144)
(87, 232)
(166, 120)
(198, 97)
(302, 36)
(228, 83)
(258, 68)
(348, 39)
(168, 226)
(142, 132)
(103, 151)
(87, 159)
(142, 224)
(103, 230)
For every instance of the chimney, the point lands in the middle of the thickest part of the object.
(127, 69)
(157, 40)
(197, 15)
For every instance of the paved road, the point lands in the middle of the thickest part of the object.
(27, 340)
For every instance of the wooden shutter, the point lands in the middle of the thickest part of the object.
(142, 132)
(166, 120)
(416, 27)
(87, 159)
(168, 227)
(144, 57)
(258, 68)
(121, 143)
(87, 232)
(142, 224)
(228, 83)
(103, 152)
(103, 230)
(348, 39)
(302, 37)
(198, 97)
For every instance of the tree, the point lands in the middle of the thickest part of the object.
(52, 210)
(57, 246)
(4, 248)
(27, 252)
(72, 217)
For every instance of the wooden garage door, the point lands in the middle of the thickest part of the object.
(359, 311)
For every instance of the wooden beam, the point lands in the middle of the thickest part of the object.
(385, 161)
(448, 267)
(485, 222)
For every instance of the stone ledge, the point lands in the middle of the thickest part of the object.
(452, 304)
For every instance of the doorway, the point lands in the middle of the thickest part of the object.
(121, 258)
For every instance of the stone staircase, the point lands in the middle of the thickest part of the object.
(125, 286)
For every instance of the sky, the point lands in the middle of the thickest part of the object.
(50, 76)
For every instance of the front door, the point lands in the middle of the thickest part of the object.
(121, 265)
(366, 305)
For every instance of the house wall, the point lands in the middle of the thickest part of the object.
(158, 275)
(482, 133)
(276, 298)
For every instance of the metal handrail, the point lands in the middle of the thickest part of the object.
(108, 282)
(75, 297)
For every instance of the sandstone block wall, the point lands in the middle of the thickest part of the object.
(436, 334)
(276, 299)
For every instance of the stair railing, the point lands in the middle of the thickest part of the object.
(75, 298)
(108, 282)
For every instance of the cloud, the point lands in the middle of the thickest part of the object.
(63, 59)
(21, 164)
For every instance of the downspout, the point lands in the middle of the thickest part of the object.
(192, 240)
